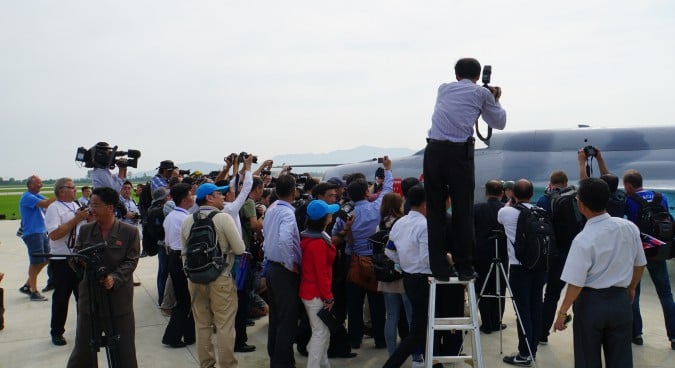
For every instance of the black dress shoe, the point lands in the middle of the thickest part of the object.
(58, 340)
(244, 348)
(178, 344)
(47, 288)
(302, 350)
(342, 355)
(466, 273)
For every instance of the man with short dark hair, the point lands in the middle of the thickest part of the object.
(406, 184)
(485, 223)
(603, 268)
(284, 256)
(449, 164)
(181, 328)
(86, 193)
(32, 206)
(526, 285)
(658, 268)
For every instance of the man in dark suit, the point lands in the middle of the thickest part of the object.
(485, 223)
(115, 289)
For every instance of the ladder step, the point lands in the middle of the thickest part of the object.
(452, 327)
(452, 359)
(452, 281)
(453, 321)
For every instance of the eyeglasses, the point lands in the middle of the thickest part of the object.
(68, 187)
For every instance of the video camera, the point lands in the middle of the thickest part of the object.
(102, 156)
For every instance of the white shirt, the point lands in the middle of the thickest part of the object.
(604, 253)
(59, 213)
(232, 208)
(411, 240)
(508, 216)
(172, 228)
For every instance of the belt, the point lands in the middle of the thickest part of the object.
(611, 288)
(469, 141)
(173, 251)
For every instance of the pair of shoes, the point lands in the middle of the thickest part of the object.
(543, 340)
(244, 348)
(137, 283)
(466, 273)
(178, 344)
(25, 289)
(47, 288)
(347, 354)
(58, 340)
(37, 297)
(517, 359)
(637, 340)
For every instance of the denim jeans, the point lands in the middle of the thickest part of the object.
(658, 271)
(162, 272)
(527, 287)
(392, 303)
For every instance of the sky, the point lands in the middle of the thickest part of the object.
(196, 80)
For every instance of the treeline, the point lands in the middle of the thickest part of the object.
(78, 182)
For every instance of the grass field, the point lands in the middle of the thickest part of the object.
(9, 204)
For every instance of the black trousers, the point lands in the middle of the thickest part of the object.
(181, 325)
(489, 306)
(65, 283)
(339, 342)
(282, 291)
(449, 303)
(449, 171)
(603, 319)
(554, 286)
(243, 300)
(417, 289)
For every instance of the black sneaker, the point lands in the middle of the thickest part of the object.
(637, 340)
(518, 360)
(37, 297)
(58, 340)
(25, 289)
(543, 340)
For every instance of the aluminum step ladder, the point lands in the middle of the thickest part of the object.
(456, 323)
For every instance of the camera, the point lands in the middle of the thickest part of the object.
(265, 172)
(184, 172)
(380, 160)
(590, 151)
(345, 211)
(244, 155)
(102, 156)
(487, 74)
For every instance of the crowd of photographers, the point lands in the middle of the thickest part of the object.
(327, 229)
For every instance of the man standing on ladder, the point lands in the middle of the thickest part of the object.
(449, 164)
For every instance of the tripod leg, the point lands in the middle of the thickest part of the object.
(520, 321)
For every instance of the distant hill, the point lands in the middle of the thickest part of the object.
(346, 156)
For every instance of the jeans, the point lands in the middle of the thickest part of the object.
(554, 286)
(658, 271)
(355, 300)
(527, 287)
(162, 272)
(392, 304)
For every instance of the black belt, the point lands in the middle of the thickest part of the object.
(611, 288)
(469, 141)
(173, 251)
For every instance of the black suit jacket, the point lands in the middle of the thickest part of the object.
(485, 221)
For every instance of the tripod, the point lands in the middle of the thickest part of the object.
(498, 268)
(103, 332)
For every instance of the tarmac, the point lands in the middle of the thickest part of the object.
(25, 341)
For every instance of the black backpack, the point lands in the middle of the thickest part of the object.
(383, 266)
(566, 218)
(655, 220)
(616, 206)
(204, 260)
(145, 199)
(153, 228)
(535, 238)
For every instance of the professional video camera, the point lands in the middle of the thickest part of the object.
(345, 211)
(102, 156)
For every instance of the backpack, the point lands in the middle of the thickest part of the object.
(616, 206)
(653, 219)
(153, 228)
(145, 199)
(535, 238)
(204, 260)
(384, 267)
(566, 218)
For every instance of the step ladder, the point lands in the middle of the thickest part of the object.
(456, 323)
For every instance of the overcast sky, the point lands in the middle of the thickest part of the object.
(196, 80)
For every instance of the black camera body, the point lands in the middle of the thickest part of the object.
(184, 172)
(487, 74)
(244, 155)
(102, 156)
(345, 211)
(590, 151)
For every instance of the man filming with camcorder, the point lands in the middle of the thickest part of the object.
(449, 163)
(112, 291)
(103, 158)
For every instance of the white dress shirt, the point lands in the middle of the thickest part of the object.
(604, 253)
(232, 208)
(409, 236)
(172, 228)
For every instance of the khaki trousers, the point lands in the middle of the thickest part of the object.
(215, 304)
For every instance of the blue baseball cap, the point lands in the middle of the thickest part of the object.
(208, 188)
(319, 208)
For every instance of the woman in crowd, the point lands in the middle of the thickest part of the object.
(318, 254)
